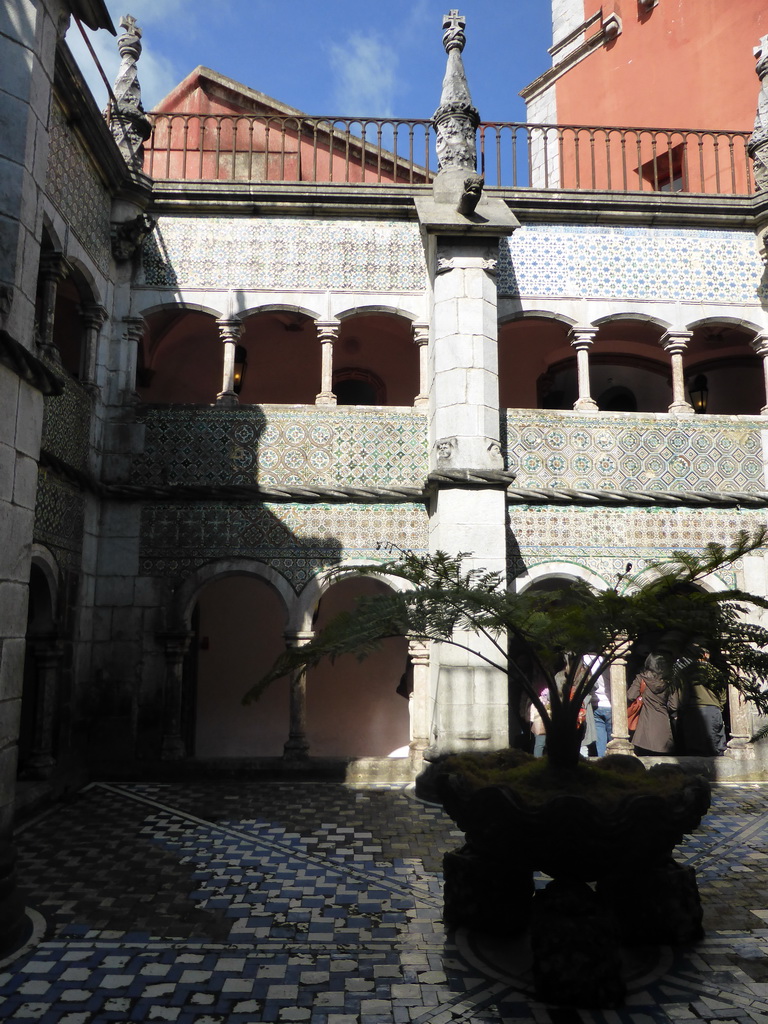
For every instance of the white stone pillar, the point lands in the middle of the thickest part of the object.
(421, 339)
(297, 746)
(53, 269)
(675, 343)
(760, 345)
(327, 334)
(470, 696)
(230, 330)
(134, 333)
(94, 316)
(740, 744)
(619, 742)
(581, 340)
(176, 644)
(419, 703)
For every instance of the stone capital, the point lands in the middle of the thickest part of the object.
(676, 342)
(420, 333)
(94, 315)
(327, 331)
(582, 337)
(54, 266)
(760, 345)
(134, 327)
(230, 329)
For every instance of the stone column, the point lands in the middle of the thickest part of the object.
(675, 343)
(94, 316)
(619, 742)
(296, 746)
(421, 339)
(230, 330)
(419, 703)
(757, 147)
(740, 744)
(47, 653)
(133, 334)
(176, 644)
(53, 269)
(327, 334)
(581, 340)
(760, 345)
(461, 228)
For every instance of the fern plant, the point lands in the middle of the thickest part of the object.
(526, 634)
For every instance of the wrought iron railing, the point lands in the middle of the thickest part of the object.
(376, 151)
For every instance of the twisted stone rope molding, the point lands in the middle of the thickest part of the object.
(401, 495)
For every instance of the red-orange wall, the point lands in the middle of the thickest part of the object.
(684, 64)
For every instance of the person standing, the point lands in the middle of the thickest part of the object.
(653, 734)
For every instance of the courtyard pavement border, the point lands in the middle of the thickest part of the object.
(230, 901)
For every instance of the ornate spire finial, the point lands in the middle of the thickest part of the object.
(455, 120)
(453, 31)
(757, 147)
(130, 125)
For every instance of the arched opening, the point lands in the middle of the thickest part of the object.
(527, 350)
(733, 373)
(283, 358)
(358, 387)
(376, 358)
(353, 707)
(629, 371)
(181, 358)
(38, 698)
(240, 621)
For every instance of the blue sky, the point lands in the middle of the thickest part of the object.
(337, 57)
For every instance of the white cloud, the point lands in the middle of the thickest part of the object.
(157, 75)
(364, 69)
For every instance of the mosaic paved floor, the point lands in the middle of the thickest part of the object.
(318, 903)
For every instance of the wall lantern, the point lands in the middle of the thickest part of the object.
(241, 364)
(699, 393)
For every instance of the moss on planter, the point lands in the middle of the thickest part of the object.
(605, 783)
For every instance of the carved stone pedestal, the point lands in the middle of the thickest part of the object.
(575, 948)
(489, 895)
(654, 905)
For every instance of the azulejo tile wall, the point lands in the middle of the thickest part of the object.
(636, 453)
(297, 540)
(60, 519)
(604, 540)
(285, 253)
(66, 424)
(75, 188)
(663, 264)
(282, 446)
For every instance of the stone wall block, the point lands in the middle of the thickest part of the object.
(16, 71)
(13, 608)
(25, 481)
(16, 526)
(482, 388)
(450, 351)
(8, 763)
(446, 317)
(120, 520)
(29, 422)
(102, 625)
(126, 624)
(119, 556)
(115, 591)
(10, 716)
(19, 23)
(7, 469)
(472, 317)
(9, 396)
(12, 655)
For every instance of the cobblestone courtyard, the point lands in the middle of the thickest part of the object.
(248, 901)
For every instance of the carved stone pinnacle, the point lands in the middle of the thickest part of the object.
(453, 31)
